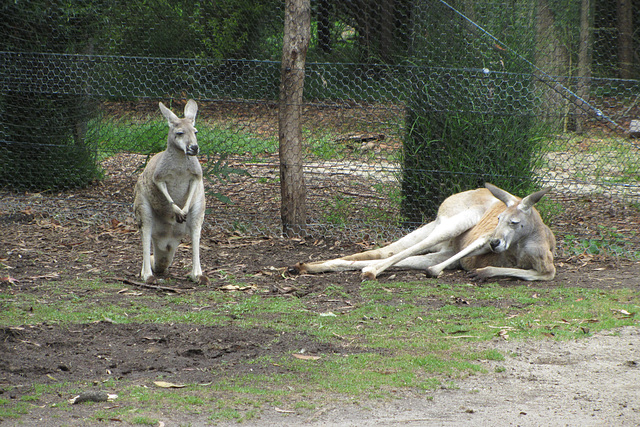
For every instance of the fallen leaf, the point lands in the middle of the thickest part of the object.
(165, 384)
(93, 396)
(305, 357)
(328, 314)
(621, 312)
(234, 288)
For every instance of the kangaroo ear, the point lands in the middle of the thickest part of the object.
(504, 196)
(190, 110)
(168, 114)
(532, 199)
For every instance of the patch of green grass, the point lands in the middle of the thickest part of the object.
(323, 146)
(336, 291)
(391, 311)
(144, 421)
(337, 211)
(147, 137)
(29, 398)
(135, 137)
(9, 409)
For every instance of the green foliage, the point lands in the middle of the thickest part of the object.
(460, 138)
(53, 26)
(43, 129)
(184, 29)
(46, 146)
(470, 117)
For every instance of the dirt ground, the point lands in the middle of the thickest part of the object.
(595, 381)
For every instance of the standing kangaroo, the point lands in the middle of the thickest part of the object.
(169, 198)
(487, 231)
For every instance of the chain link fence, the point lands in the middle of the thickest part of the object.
(405, 103)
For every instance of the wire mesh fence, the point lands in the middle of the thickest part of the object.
(404, 104)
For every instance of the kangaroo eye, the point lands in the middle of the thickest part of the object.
(515, 222)
(180, 133)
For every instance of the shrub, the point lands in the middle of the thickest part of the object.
(43, 145)
(462, 131)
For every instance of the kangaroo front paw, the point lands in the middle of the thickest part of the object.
(181, 216)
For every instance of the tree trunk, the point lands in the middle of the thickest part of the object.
(551, 57)
(625, 38)
(584, 63)
(386, 26)
(297, 24)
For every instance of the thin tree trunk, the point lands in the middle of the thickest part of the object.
(553, 59)
(625, 38)
(386, 26)
(297, 24)
(584, 62)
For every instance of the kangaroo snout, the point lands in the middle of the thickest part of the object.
(193, 150)
(495, 244)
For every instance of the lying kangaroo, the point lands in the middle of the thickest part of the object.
(169, 198)
(486, 230)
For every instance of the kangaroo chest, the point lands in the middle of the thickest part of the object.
(178, 175)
